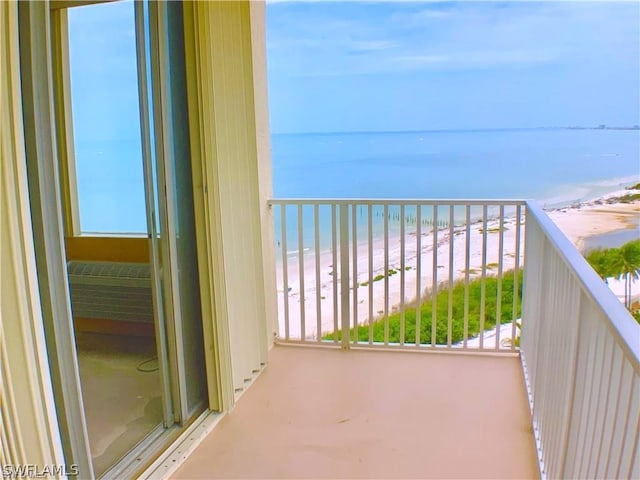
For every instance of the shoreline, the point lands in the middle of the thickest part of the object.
(596, 217)
(577, 221)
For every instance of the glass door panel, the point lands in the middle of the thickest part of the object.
(180, 273)
(133, 270)
(185, 238)
(106, 126)
(113, 292)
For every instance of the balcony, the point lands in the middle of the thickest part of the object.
(327, 413)
(470, 340)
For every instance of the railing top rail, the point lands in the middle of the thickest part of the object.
(395, 201)
(620, 322)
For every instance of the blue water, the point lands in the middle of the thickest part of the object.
(554, 166)
(612, 239)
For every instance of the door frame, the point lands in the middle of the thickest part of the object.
(30, 425)
(39, 78)
(155, 245)
(44, 196)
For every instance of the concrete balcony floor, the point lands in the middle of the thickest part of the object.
(327, 413)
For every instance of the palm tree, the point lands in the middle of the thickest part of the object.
(628, 262)
(601, 261)
(623, 262)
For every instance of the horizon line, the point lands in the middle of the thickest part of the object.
(482, 129)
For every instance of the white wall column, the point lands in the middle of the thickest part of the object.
(226, 79)
(264, 164)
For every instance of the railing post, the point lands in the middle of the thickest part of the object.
(344, 274)
(569, 407)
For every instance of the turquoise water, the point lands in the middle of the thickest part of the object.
(554, 166)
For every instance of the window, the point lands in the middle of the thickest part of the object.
(106, 123)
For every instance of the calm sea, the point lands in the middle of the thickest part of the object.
(554, 166)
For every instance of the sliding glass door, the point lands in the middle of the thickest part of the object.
(168, 169)
(112, 203)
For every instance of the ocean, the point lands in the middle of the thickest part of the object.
(555, 166)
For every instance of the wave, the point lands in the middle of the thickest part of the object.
(568, 194)
(293, 253)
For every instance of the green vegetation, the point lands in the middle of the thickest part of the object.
(628, 198)
(442, 312)
(623, 262)
(381, 276)
(492, 230)
(516, 341)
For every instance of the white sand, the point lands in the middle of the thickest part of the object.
(597, 217)
(368, 301)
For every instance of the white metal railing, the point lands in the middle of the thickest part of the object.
(386, 272)
(580, 351)
(392, 272)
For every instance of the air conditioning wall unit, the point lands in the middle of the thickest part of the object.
(111, 291)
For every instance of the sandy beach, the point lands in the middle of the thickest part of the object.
(459, 253)
(596, 217)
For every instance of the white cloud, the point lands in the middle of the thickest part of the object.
(420, 18)
(356, 38)
(468, 60)
(364, 46)
(420, 61)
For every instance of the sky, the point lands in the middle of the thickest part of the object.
(402, 66)
(103, 72)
